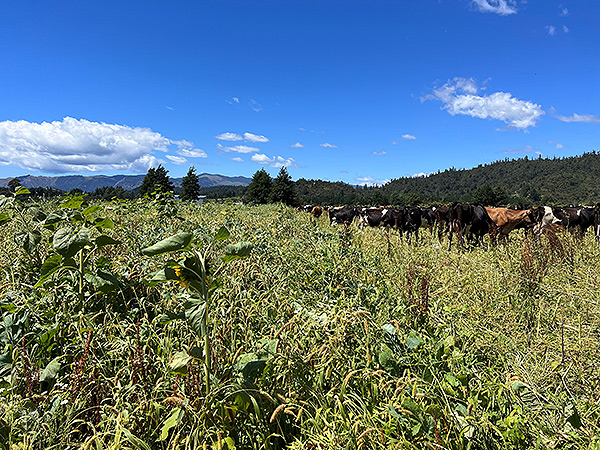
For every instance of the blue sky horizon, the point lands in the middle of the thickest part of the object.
(353, 91)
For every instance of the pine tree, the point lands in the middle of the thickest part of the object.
(156, 179)
(259, 190)
(190, 188)
(283, 188)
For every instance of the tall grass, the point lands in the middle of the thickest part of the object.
(324, 338)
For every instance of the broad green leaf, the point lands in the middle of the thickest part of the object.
(172, 421)
(105, 282)
(48, 335)
(412, 342)
(179, 241)
(196, 317)
(22, 191)
(222, 234)
(236, 251)
(574, 419)
(68, 244)
(37, 214)
(51, 265)
(166, 274)
(5, 363)
(55, 217)
(103, 240)
(28, 240)
(51, 370)
(87, 212)
(74, 202)
(104, 224)
(4, 218)
(179, 363)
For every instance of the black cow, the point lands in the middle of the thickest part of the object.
(406, 219)
(372, 217)
(546, 217)
(442, 218)
(470, 220)
(597, 221)
(579, 218)
(342, 215)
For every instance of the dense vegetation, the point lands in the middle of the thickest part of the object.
(317, 337)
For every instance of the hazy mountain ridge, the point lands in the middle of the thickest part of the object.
(127, 182)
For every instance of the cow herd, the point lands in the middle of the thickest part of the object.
(465, 220)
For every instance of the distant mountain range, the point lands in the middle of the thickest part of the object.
(127, 182)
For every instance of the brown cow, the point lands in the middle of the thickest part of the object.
(508, 219)
(316, 212)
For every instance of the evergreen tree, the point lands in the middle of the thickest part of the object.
(259, 190)
(190, 187)
(283, 188)
(156, 179)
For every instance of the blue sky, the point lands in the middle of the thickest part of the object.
(358, 91)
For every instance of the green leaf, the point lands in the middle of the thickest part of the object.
(574, 419)
(28, 240)
(74, 202)
(166, 274)
(55, 217)
(51, 370)
(236, 251)
(196, 318)
(103, 240)
(172, 421)
(105, 282)
(4, 218)
(136, 441)
(222, 234)
(5, 363)
(412, 342)
(68, 244)
(104, 224)
(22, 191)
(87, 212)
(37, 214)
(180, 241)
(179, 363)
(51, 265)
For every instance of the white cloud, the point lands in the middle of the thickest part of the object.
(563, 11)
(238, 148)
(501, 7)
(551, 30)
(78, 145)
(582, 118)
(276, 161)
(525, 149)
(229, 137)
(557, 145)
(370, 181)
(194, 153)
(379, 153)
(459, 97)
(327, 144)
(418, 175)
(235, 99)
(297, 145)
(170, 108)
(256, 107)
(255, 137)
(176, 159)
(408, 137)
(236, 159)
(565, 28)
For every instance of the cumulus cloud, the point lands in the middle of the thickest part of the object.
(551, 30)
(379, 153)
(370, 181)
(229, 137)
(236, 159)
(297, 145)
(328, 145)
(276, 161)
(459, 96)
(238, 149)
(78, 145)
(408, 137)
(255, 137)
(501, 7)
(582, 118)
(192, 153)
(176, 159)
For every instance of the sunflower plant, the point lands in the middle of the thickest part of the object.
(194, 273)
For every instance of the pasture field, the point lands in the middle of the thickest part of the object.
(321, 338)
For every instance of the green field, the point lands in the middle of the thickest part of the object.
(320, 339)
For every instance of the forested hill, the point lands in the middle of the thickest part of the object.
(529, 181)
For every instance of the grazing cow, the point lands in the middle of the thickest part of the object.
(404, 219)
(510, 219)
(316, 212)
(472, 220)
(428, 217)
(442, 218)
(546, 217)
(342, 214)
(579, 218)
